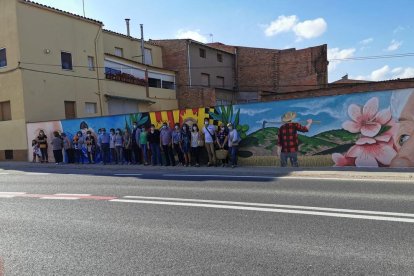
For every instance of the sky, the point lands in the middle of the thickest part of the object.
(350, 28)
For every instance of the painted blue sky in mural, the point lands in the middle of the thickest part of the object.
(329, 112)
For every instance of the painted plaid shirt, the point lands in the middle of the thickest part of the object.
(288, 136)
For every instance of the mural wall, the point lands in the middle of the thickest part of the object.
(365, 129)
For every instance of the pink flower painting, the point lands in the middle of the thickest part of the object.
(375, 146)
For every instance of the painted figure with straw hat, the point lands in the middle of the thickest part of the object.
(288, 141)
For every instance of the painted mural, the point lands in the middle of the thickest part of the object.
(372, 129)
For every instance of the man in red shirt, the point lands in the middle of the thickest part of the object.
(288, 141)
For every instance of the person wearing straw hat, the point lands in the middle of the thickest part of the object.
(288, 141)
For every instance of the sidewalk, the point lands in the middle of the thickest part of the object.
(321, 172)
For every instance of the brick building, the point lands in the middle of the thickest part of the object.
(215, 73)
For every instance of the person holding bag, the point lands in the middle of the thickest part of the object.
(221, 141)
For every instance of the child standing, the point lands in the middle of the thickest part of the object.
(36, 151)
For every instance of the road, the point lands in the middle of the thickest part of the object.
(211, 222)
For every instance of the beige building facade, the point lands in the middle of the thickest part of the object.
(55, 65)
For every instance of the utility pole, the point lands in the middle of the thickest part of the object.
(142, 44)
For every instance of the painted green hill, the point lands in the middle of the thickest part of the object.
(338, 136)
(263, 142)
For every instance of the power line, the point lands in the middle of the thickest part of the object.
(330, 85)
(361, 58)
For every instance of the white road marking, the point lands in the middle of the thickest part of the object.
(59, 197)
(128, 174)
(36, 173)
(271, 210)
(7, 196)
(290, 177)
(269, 205)
(4, 173)
(12, 193)
(72, 195)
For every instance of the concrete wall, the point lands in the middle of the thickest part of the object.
(370, 129)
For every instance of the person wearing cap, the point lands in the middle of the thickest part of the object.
(288, 140)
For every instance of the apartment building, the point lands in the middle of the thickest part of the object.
(56, 65)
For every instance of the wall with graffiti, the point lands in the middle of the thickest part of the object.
(364, 129)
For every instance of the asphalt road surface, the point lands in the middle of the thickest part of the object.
(191, 223)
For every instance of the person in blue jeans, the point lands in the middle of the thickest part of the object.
(154, 143)
(103, 142)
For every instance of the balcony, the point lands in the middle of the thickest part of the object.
(117, 75)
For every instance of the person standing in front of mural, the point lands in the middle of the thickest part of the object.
(112, 145)
(57, 145)
(36, 151)
(154, 143)
(209, 133)
(166, 144)
(143, 144)
(67, 146)
(196, 144)
(135, 143)
(42, 141)
(233, 143)
(104, 141)
(186, 144)
(288, 140)
(176, 142)
(90, 147)
(222, 139)
(127, 146)
(119, 143)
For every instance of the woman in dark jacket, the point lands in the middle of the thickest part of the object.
(42, 141)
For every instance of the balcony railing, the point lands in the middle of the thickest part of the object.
(117, 75)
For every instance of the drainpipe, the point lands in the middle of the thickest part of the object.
(97, 69)
(189, 62)
(142, 44)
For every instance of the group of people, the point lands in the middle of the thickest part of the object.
(182, 145)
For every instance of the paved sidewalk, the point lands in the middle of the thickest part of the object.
(322, 172)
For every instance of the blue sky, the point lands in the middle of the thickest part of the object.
(352, 28)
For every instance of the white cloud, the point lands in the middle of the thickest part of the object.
(386, 73)
(253, 112)
(194, 35)
(281, 25)
(366, 41)
(394, 45)
(399, 29)
(331, 112)
(336, 53)
(304, 30)
(310, 28)
(404, 73)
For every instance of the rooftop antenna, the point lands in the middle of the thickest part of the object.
(211, 36)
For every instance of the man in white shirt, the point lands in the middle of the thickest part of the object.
(209, 132)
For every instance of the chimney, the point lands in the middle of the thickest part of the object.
(127, 25)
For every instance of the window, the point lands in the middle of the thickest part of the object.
(3, 59)
(91, 63)
(70, 110)
(202, 53)
(8, 154)
(168, 85)
(154, 82)
(220, 81)
(90, 108)
(66, 60)
(119, 52)
(205, 79)
(219, 57)
(148, 56)
(5, 111)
